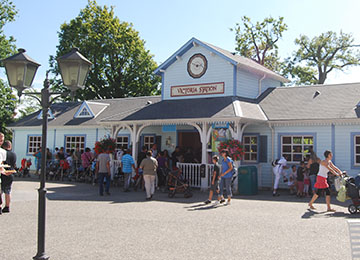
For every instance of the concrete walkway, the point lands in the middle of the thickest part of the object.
(82, 225)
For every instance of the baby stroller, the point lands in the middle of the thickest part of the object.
(24, 171)
(176, 183)
(352, 191)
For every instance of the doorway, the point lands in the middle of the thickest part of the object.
(190, 140)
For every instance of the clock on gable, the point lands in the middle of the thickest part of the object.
(197, 65)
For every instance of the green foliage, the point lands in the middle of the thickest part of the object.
(122, 66)
(259, 41)
(8, 104)
(28, 104)
(7, 14)
(321, 55)
(7, 47)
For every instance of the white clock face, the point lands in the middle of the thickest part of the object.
(197, 65)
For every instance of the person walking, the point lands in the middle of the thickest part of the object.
(313, 165)
(103, 172)
(2, 160)
(37, 155)
(226, 176)
(127, 164)
(149, 166)
(278, 171)
(7, 179)
(321, 184)
(214, 180)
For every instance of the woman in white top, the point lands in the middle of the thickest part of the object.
(321, 180)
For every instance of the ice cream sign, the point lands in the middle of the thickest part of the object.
(198, 89)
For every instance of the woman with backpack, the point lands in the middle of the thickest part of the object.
(226, 176)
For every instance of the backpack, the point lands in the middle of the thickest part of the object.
(275, 162)
(233, 166)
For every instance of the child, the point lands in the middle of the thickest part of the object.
(300, 179)
(214, 180)
(292, 179)
(306, 183)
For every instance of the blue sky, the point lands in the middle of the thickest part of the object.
(167, 25)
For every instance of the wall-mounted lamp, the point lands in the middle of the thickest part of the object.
(168, 141)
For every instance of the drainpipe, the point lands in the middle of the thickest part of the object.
(272, 147)
(260, 80)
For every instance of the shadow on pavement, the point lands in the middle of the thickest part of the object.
(86, 192)
(324, 214)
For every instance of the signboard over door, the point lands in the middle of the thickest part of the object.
(198, 89)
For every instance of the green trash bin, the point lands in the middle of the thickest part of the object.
(247, 180)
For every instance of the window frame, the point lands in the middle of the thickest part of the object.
(353, 153)
(292, 144)
(143, 140)
(28, 143)
(257, 136)
(121, 136)
(74, 135)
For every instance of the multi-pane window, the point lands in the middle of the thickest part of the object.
(122, 142)
(84, 112)
(251, 148)
(34, 144)
(357, 149)
(296, 147)
(149, 140)
(72, 142)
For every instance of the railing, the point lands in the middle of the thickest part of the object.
(192, 173)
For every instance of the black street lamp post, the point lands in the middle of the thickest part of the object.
(21, 70)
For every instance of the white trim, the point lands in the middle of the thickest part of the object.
(83, 106)
(237, 108)
(50, 114)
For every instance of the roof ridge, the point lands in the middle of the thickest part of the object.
(127, 98)
(318, 85)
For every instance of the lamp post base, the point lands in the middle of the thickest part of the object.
(41, 257)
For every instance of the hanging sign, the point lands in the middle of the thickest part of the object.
(168, 128)
(198, 89)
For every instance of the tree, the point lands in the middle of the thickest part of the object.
(259, 41)
(7, 47)
(322, 54)
(122, 66)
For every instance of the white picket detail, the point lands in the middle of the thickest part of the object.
(191, 172)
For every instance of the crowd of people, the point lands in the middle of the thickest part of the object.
(150, 174)
(310, 178)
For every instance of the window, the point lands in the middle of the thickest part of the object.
(357, 150)
(149, 140)
(85, 112)
(296, 147)
(71, 142)
(251, 148)
(122, 142)
(34, 143)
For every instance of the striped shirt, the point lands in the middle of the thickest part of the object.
(127, 161)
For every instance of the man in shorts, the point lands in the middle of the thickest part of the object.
(2, 159)
(7, 179)
(214, 181)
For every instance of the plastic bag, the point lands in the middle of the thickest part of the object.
(341, 196)
(337, 183)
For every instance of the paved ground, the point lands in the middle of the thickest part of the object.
(82, 225)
